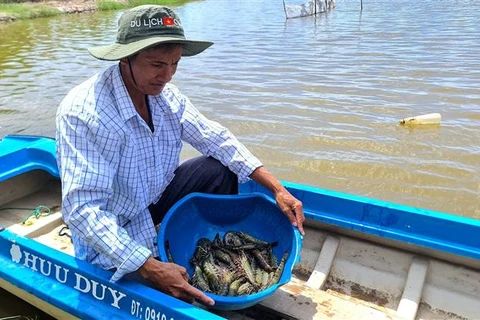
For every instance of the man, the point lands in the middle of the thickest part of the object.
(119, 137)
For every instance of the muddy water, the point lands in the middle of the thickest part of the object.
(317, 99)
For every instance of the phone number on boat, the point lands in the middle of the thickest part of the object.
(147, 313)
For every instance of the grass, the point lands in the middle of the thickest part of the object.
(8, 111)
(116, 5)
(22, 11)
(105, 5)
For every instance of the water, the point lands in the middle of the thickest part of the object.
(318, 99)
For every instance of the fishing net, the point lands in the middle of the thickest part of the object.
(309, 8)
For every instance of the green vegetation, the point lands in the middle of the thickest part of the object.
(20, 10)
(8, 111)
(106, 5)
(116, 5)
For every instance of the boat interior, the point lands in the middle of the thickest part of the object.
(340, 275)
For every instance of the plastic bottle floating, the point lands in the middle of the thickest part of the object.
(431, 118)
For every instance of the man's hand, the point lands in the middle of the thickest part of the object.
(172, 279)
(292, 208)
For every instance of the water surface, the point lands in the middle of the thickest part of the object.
(317, 99)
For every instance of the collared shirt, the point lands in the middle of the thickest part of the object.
(113, 166)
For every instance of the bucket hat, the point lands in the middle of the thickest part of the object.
(145, 26)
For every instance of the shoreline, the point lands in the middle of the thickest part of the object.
(31, 9)
(64, 7)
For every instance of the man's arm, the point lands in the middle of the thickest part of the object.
(213, 139)
(289, 205)
(87, 173)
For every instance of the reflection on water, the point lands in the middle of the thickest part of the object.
(318, 99)
(39, 61)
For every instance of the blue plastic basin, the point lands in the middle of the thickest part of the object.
(203, 215)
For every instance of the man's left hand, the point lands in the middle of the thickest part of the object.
(292, 207)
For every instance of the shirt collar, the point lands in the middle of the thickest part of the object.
(125, 104)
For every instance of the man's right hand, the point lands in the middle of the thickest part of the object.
(172, 279)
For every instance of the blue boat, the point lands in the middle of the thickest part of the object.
(361, 258)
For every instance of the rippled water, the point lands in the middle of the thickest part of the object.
(318, 99)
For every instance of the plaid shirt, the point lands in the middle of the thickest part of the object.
(113, 166)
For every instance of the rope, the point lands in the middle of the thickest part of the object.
(64, 232)
(40, 211)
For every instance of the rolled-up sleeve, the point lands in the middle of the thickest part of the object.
(212, 139)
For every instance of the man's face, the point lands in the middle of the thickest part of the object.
(154, 68)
